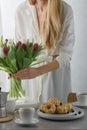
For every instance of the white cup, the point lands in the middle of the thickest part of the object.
(82, 99)
(25, 114)
(11, 105)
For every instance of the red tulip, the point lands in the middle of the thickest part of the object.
(5, 50)
(19, 43)
(6, 40)
(24, 46)
(35, 47)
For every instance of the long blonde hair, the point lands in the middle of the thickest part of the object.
(51, 25)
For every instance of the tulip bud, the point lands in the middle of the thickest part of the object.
(24, 46)
(35, 47)
(5, 50)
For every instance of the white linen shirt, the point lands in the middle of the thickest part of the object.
(56, 83)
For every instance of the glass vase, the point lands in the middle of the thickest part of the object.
(16, 90)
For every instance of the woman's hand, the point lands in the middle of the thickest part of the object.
(28, 73)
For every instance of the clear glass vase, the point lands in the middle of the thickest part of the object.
(16, 89)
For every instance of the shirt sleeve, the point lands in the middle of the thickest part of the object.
(67, 42)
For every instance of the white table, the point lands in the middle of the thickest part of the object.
(78, 124)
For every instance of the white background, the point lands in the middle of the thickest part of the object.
(79, 62)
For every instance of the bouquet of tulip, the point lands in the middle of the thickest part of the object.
(14, 57)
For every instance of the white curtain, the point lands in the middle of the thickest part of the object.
(7, 15)
(3, 76)
(0, 20)
(79, 62)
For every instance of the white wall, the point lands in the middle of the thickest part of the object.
(79, 63)
(8, 10)
(0, 20)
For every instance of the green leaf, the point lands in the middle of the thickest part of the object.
(14, 64)
(11, 53)
(20, 53)
(29, 52)
(8, 64)
(1, 41)
(7, 61)
(26, 62)
(20, 64)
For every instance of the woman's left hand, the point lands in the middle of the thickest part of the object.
(28, 73)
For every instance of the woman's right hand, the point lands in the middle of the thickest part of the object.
(27, 73)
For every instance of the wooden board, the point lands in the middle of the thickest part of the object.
(7, 118)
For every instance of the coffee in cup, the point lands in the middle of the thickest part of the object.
(25, 114)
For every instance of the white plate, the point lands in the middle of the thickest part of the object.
(33, 122)
(78, 114)
(79, 105)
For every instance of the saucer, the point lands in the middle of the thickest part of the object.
(33, 122)
(79, 105)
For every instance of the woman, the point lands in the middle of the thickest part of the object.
(49, 22)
